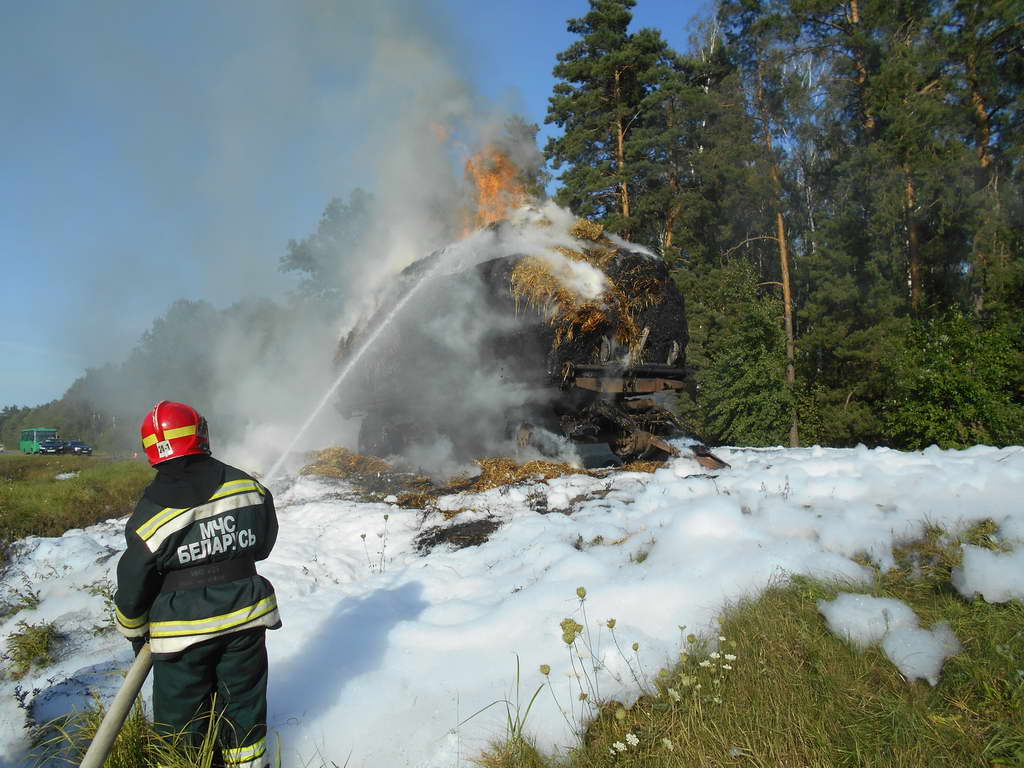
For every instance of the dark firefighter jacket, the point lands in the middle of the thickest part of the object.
(197, 511)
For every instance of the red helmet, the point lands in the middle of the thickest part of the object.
(172, 430)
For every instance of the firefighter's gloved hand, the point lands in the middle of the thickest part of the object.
(137, 643)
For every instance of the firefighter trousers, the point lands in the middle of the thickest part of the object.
(229, 672)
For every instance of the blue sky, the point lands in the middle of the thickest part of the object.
(161, 151)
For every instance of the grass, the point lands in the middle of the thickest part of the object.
(23, 598)
(34, 503)
(104, 589)
(138, 745)
(795, 695)
(517, 749)
(29, 646)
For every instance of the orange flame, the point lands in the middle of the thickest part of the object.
(497, 184)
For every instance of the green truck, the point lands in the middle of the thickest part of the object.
(31, 438)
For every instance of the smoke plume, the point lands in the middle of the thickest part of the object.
(315, 99)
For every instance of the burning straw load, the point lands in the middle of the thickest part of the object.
(638, 318)
(569, 339)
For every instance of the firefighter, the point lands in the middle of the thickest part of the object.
(187, 582)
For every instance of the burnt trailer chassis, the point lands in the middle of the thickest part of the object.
(598, 405)
(592, 388)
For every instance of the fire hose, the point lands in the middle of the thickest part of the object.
(113, 721)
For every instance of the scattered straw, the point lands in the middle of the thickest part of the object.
(342, 463)
(418, 499)
(422, 493)
(642, 466)
(503, 470)
(585, 229)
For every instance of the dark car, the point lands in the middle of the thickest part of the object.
(77, 446)
(52, 445)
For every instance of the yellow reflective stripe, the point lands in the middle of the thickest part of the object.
(147, 529)
(171, 434)
(165, 645)
(214, 623)
(235, 486)
(241, 754)
(128, 623)
(140, 632)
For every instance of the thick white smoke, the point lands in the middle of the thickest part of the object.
(434, 378)
(407, 99)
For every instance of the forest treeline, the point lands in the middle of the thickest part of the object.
(837, 186)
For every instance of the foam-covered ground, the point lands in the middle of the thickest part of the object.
(386, 653)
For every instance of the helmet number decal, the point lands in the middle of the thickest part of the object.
(163, 448)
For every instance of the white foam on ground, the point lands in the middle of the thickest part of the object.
(996, 576)
(867, 621)
(386, 653)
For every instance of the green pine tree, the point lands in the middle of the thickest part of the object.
(598, 103)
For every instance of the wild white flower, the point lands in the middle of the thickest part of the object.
(619, 746)
(697, 687)
(726, 666)
(632, 740)
(716, 700)
(705, 663)
(722, 639)
(714, 655)
(730, 657)
(672, 692)
(667, 744)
